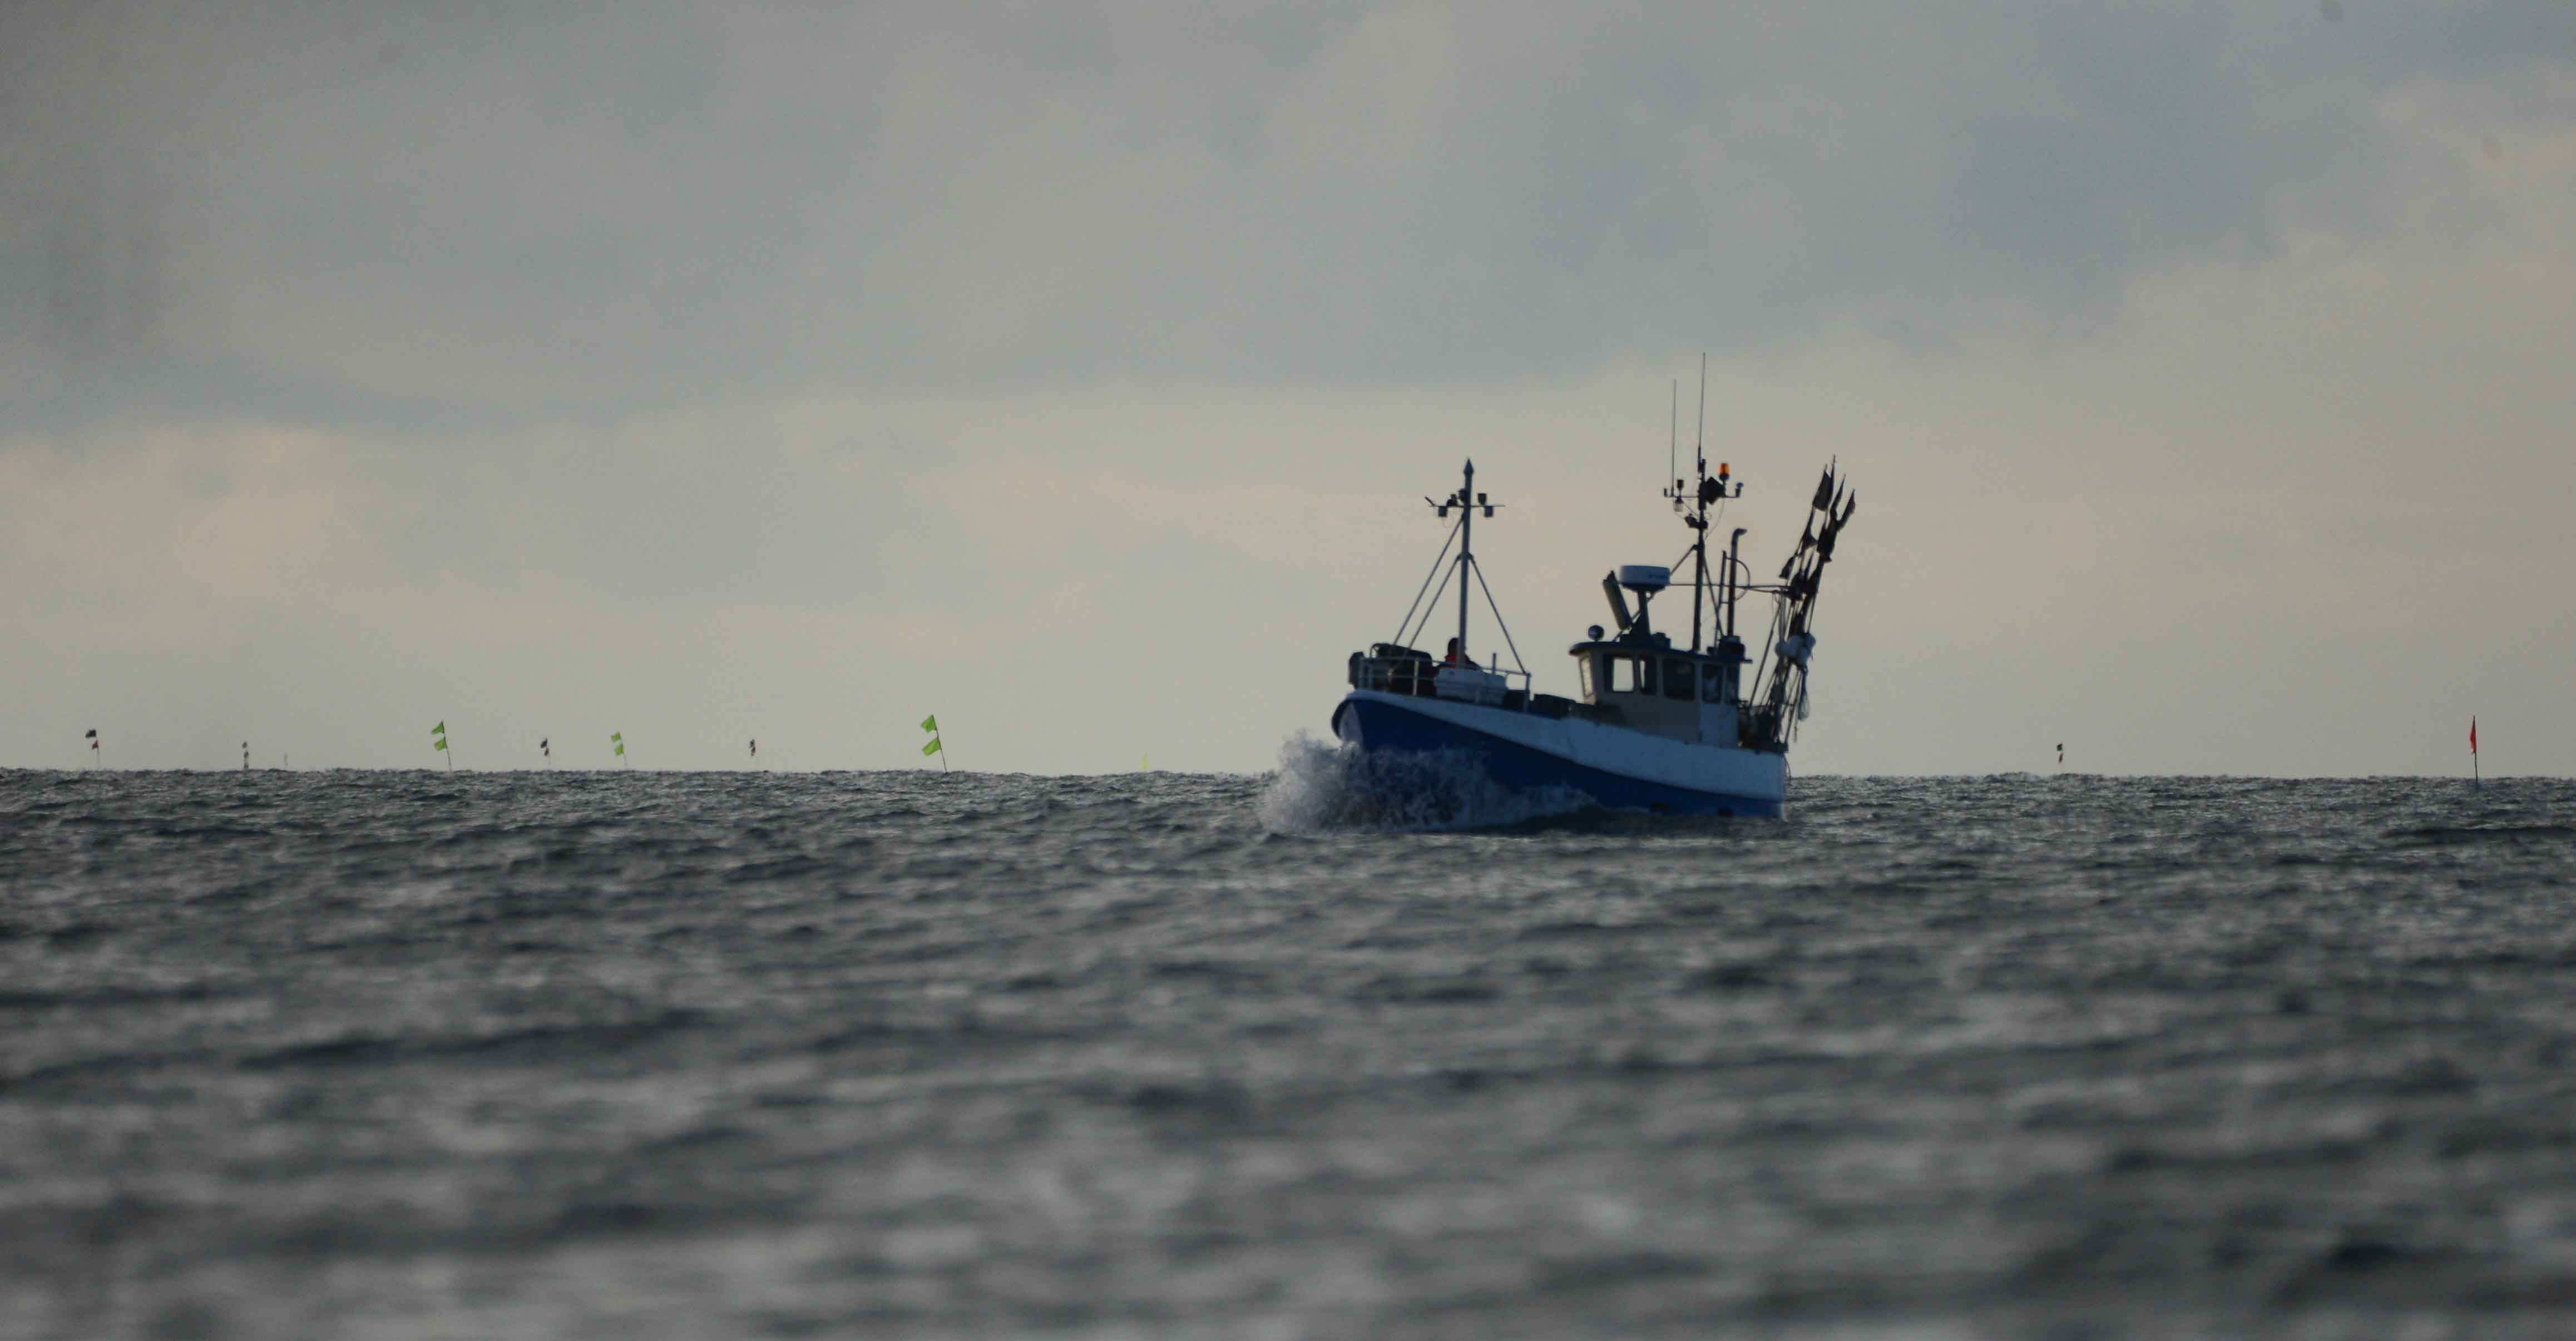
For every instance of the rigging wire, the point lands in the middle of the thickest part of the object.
(1405, 637)
(1479, 570)
(1407, 621)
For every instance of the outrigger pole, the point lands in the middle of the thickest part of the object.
(1782, 681)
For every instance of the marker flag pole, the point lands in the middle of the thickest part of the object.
(546, 748)
(2061, 754)
(755, 753)
(931, 725)
(438, 742)
(245, 756)
(92, 737)
(2474, 779)
(618, 739)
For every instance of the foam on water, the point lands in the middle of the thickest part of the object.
(1323, 788)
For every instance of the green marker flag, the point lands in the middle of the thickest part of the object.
(618, 739)
(932, 747)
(930, 723)
(438, 742)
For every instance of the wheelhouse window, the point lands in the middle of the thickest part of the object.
(1677, 679)
(1632, 675)
(1591, 673)
(1712, 683)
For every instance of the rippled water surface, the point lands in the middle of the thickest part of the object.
(705, 1055)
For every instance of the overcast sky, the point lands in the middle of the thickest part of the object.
(710, 372)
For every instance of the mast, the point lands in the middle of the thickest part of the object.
(1466, 574)
(1691, 499)
(1699, 575)
(1699, 524)
(1466, 556)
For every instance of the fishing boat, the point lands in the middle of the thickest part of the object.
(1658, 726)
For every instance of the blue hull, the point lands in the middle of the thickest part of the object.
(1372, 725)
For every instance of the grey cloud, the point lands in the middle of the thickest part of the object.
(462, 218)
(698, 513)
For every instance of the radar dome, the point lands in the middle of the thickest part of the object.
(1645, 578)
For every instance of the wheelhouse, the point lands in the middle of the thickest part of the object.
(1648, 684)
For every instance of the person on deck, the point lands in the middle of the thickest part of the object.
(1457, 656)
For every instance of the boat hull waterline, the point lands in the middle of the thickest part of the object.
(1617, 769)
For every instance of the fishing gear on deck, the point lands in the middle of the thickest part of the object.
(1781, 693)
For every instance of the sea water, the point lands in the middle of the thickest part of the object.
(1336, 1051)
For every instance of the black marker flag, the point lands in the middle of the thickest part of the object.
(91, 736)
(2061, 751)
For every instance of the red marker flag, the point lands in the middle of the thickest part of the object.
(2473, 735)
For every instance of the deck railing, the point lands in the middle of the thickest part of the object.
(1421, 677)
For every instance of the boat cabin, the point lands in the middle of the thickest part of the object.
(1639, 680)
(1648, 684)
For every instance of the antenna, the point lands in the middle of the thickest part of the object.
(1699, 495)
(1702, 448)
(1673, 447)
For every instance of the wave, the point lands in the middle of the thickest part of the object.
(1322, 788)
